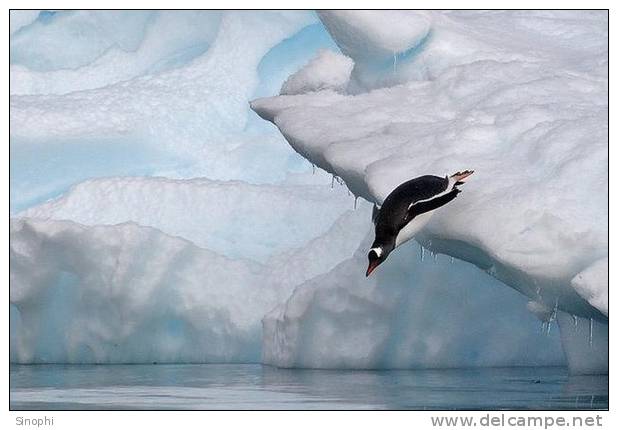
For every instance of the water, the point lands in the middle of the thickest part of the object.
(253, 386)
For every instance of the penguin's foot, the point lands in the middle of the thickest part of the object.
(460, 176)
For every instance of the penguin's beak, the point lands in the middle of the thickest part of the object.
(372, 265)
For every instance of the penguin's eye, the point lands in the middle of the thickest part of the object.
(373, 255)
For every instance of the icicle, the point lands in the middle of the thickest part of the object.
(590, 333)
(575, 321)
(422, 253)
(313, 168)
(452, 260)
(332, 182)
(552, 317)
(394, 63)
(592, 402)
(355, 200)
(349, 192)
(435, 256)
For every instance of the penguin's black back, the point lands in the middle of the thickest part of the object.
(393, 212)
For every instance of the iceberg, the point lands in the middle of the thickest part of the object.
(157, 218)
(519, 97)
(127, 293)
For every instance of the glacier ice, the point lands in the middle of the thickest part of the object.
(209, 95)
(133, 267)
(107, 48)
(134, 294)
(521, 98)
(412, 314)
(113, 117)
(21, 18)
(376, 35)
(592, 284)
(43, 47)
(585, 343)
(126, 293)
(375, 39)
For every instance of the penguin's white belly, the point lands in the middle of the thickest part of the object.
(411, 228)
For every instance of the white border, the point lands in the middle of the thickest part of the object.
(378, 420)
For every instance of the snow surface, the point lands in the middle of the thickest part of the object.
(328, 70)
(106, 48)
(233, 218)
(159, 260)
(533, 126)
(188, 118)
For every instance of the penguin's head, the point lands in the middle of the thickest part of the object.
(376, 256)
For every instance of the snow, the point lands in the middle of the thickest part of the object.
(107, 48)
(202, 92)
(328, 70)
(233, 218)
(376, 35)
(187, 117)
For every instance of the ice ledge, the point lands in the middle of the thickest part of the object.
(484, 94)
(530, 251)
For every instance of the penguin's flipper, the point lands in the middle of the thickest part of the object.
(421, 207)
(374, 213)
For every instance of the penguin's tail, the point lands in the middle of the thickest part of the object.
(460, 176)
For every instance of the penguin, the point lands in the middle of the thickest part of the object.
(407, 209)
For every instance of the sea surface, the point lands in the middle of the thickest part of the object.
(254, 386)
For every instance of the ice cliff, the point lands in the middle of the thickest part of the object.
(156, 218)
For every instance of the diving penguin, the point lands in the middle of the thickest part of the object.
(407, 209)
